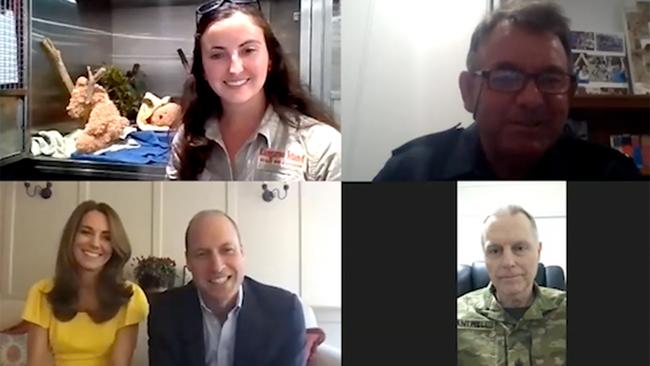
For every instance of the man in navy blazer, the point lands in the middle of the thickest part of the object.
(222, 317)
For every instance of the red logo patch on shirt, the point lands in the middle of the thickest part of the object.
(282, 158)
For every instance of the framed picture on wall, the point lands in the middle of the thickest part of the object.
(610, 43)
(637, 35)
(599, 63)
(583, 41)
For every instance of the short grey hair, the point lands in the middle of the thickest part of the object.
(201, 214)
(536, 16)
(510, 210)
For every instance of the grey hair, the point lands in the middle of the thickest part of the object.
(511, 210)
(535, 16)
(213, 212)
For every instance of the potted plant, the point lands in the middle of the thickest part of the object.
(154, 274)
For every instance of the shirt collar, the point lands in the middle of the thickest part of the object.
(269, 125)
(490, 307)
(240, 299)
(466, 159)
(493, 291)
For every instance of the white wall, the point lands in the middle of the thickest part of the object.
(2, 238)
(270, 233)
(321, 244)
(3, 325)
(545, 201)
(596, 15)
(400, 66)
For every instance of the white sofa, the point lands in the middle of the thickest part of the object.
(327, 355)
(11, 311)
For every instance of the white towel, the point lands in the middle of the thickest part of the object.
(52, 143)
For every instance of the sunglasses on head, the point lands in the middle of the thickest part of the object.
(213, 5)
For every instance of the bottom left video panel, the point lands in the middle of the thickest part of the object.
(169, 273)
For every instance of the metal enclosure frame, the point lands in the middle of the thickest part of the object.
(22, 92)
(316, 48)
(315, 65)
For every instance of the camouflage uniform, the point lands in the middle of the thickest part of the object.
(489, 336)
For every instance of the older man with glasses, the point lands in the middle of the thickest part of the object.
(518, 86)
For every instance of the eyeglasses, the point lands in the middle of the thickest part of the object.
(512, 81)
(216, 4)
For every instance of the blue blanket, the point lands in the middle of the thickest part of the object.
(153, 150)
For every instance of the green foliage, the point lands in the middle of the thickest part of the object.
(161, 269)
(122, 91)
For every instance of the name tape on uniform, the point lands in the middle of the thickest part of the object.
(475, 324)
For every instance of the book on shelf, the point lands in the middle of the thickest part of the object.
(636, 147)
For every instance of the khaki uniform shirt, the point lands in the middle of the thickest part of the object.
(489, 336)
(277, 152)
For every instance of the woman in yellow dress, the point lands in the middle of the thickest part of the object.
(88, 314)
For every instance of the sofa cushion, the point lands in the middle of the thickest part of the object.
(327, 356)
(13, 349)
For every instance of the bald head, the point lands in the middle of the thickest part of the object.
(512, 254)
(215, 258)
(204, 215)
(510, 210)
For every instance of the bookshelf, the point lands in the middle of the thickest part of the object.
(608, 115)
(605, 102)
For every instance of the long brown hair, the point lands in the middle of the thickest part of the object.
(282, 89)
(112, 290)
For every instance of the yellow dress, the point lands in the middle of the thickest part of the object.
(80, 341)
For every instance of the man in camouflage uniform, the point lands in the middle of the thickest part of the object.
(513, 321)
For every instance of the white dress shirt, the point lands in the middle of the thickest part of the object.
(219, 339)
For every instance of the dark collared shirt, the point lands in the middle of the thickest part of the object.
(456, 154)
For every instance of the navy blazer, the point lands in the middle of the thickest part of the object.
(270, 328)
